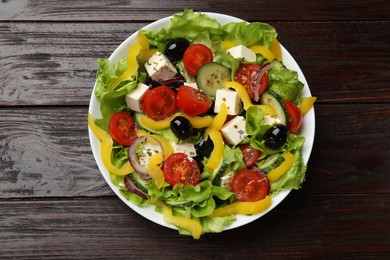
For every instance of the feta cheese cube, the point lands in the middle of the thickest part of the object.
(159, 67)
(270, 120)
(191, 84)
(230, 98)
(149, 149)
(234, 131)
(187, 148)
(242, 52)
(133, 99)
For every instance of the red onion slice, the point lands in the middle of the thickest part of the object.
(132, 188)
(259, 74)
(133, 158)
(174, 80)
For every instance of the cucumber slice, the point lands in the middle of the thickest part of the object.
(211, 77)
(139, 182)
(270, 162)
(276, 102)
(216, 178)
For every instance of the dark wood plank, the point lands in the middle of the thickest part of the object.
(339, 227)
(351, 150)
(150, 10)
(46, 152)
(57, 62)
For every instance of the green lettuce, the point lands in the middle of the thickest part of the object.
(293, 178)
(249, 34)
(284, 82)
(185, 25)
(112, 98)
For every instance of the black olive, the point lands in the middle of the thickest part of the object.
(152, 83)
(204, 148)
(198, 160)
(276, 136)
(181, 127)
(211, 109)
(175, 49)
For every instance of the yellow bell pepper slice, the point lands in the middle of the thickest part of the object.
(144, 42)
(220, 118)
(155, 171)
(106, 149)
(306, 104)
(217, 153)
(276, 173)
(242, 92)
(196, 121)
(228, 44)
(276, 49)
(245, 208)
(154, 124)
(132, 66)
(191, 225)
(259, 49)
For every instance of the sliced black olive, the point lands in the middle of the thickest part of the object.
(276, 136)
(174, 83)
(181, 127)
(204, 148)
(175, 49)
(198, 160)
(152, 83)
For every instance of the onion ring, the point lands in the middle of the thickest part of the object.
(131, 187)
(133, 158)
(259, 74)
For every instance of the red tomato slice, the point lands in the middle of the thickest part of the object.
(122, 128)
(249, 154)
(245, 75)
(294, 117)
(179, 168)
(192, 102)
(195, 56)
(250, 185)
(159, 103)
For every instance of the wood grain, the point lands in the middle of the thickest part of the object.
(54, 203)
(148, 10)
(45, 152)
(106, 228)
(57, 62)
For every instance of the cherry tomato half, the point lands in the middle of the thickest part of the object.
(249, 154)
(294, 117)
(192, 102)
(159, 103)
(179, 168)
(122, 128)
(195, 57)
(250, 185)
(245, 75)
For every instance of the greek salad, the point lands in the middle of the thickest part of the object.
(201, 120)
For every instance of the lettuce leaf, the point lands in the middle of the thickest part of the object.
(249, 34)
(293, 178)
(112, 100)
(185, 25)
(284, 82)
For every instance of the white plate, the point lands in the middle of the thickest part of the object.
(307, 130)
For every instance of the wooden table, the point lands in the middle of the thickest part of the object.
(55, 204)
